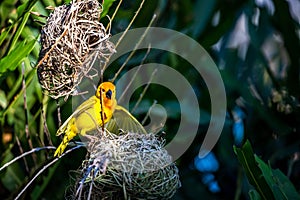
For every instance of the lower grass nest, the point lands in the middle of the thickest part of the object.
(127, 166)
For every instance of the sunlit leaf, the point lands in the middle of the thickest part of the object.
(106, 5)
(12, 61)
(4, 35)
(3, 100)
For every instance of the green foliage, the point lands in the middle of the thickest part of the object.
(18, 80)
(261, 75)
(106, 5)
(280, 185)
(254, 174)
(268, 183)
(13, 59)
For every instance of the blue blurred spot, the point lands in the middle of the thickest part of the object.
(238, 132)
(207, 164)
(238, 112)
(209, 180)
(208, 177)
(238, 125)
(214, 187)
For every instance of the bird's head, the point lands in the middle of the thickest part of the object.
(108, 92)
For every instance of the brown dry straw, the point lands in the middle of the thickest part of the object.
(72, 40)
(128, 166)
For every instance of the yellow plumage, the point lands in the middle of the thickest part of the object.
(87, 116)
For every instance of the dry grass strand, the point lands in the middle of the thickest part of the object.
(128, 166)
(72, 40)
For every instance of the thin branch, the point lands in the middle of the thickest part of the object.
(102, 108)
(144, 91)
(21, 151)
(25, 105)
(46, 130)
(124, 33)
(26, 112)
(90, 189)
(135, 74)
(44, 168)
(58, 113)
(51, 49)
(131, 22)
(113, 16)
(135, 47)
(25, 154)
(148, 113)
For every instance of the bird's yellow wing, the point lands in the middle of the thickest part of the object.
(80, 109)
(123, 120)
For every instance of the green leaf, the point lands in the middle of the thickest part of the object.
(4, 35)
(254, 174)
(202, 12)
(254, 195)
(106, 5)
(24, 13)
(280, 185)
(3, 100)
(25, 8)
(21, 9)
(11, 61)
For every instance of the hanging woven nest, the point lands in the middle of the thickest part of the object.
(72, 39)
(129, 166)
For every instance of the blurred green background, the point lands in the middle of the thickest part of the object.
(255, 45)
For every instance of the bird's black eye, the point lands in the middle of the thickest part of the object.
(108, 94)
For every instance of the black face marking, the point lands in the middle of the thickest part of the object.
(108, 94)
(103, 115)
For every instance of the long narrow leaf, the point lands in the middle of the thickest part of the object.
(280, 185)
(4, 35)
(24, 13)
(246, 158)
(253, 194)
(11, 61)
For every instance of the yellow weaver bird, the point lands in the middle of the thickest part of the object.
(97, 111)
